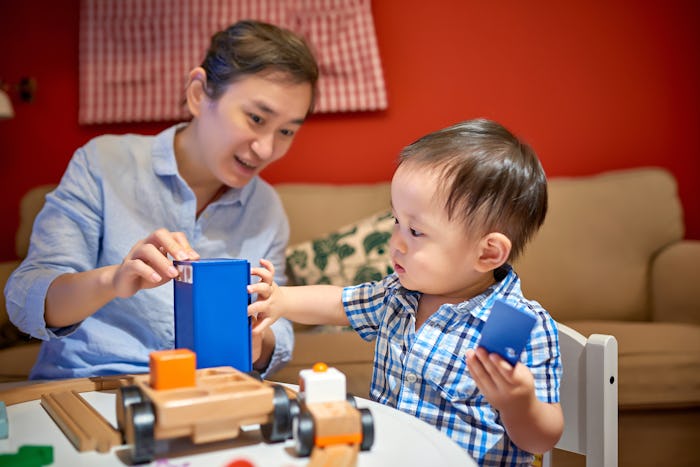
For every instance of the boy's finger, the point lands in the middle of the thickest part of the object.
(264, 323)
(263, 289)
(501, 363)
(268, 265)
(263, 274)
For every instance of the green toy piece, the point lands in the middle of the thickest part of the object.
(28, 456)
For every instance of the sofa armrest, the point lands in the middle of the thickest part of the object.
(675, 276)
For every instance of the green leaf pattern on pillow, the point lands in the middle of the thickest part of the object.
(353, 254)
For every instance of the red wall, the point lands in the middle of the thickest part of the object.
(592, 86)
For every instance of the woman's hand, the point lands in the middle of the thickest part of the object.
(147, 264)
(263, 345)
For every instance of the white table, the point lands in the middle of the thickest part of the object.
(400, 439)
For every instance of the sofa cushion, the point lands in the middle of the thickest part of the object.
(658, 363)
(353, 254)
(591, 259)
(16, 362)
(314, 209)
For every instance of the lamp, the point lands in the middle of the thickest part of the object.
(6, 110)
(26, 89)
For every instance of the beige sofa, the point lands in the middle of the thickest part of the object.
(609, 259)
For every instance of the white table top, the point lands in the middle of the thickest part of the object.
(400, 439)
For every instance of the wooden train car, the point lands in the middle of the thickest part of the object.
(210, 404)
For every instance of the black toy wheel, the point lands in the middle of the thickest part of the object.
(280, 428)
(294, 411)
(140, 431)
(304, 434)
(126, 395)
(367, 429)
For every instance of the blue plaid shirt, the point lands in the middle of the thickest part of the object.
(424, 372)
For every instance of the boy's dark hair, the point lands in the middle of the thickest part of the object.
(491, 181)
(249, 47)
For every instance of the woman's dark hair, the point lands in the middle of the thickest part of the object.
(250, 47)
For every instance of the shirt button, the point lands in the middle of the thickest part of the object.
(411, 377)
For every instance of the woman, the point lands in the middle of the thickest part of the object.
(101, 248)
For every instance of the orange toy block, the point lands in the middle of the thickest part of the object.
(172, 369)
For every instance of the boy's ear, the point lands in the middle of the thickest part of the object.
(494, 251)
(194, 93)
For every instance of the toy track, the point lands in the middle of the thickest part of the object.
(33, 392)
(80, 422)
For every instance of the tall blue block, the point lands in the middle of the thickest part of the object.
(211, 312)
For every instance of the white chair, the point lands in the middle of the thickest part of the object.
(588, 396)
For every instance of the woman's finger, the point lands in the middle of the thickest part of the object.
(166, 242)
(152, 256)
(181, 239)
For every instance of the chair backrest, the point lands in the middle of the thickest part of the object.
(588, 397)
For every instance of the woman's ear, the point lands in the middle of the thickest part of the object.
(194, 93)
(494, 251)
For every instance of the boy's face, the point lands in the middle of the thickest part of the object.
(430, 253)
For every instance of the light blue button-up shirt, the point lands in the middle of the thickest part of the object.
(115, 192)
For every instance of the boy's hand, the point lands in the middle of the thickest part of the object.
(505, 387)
(265, 310)
(532, 425)
(147, 264)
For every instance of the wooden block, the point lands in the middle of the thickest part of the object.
(171, 369)
(341, 455)
(80, 422)
(336, 423)
(34, 391)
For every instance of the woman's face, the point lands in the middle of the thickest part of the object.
(251, 125)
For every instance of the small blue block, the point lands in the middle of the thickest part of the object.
(4, 426)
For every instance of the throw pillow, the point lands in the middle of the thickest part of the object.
(353, 254)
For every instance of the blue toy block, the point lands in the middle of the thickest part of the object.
(4, 424)
(211, 312)
(507, 331)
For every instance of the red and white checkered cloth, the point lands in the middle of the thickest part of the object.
(135, 54)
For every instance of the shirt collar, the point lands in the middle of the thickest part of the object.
(164, 162)
(238, 195)
(480, 306)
